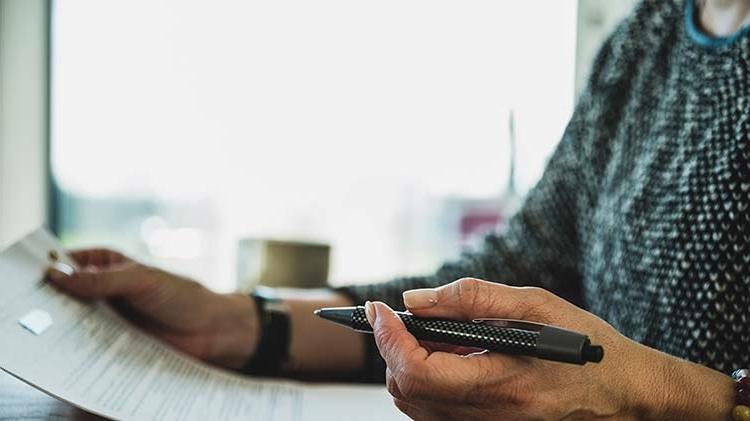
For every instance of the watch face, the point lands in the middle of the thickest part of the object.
(270, 301)
(266, 293)
(277, 306)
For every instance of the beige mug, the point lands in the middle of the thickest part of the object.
(278, 263)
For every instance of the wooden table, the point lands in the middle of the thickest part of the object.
(19, 401)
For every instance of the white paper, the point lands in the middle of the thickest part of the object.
(91, 357)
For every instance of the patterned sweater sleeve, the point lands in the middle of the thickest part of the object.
(538, 247)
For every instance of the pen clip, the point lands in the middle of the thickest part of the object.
(511, 323)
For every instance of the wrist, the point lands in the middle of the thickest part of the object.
(271, 355)
(237, 331)
(677, 389)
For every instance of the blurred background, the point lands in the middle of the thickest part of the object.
(393, 133)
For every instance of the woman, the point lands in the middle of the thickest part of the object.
(641, 218)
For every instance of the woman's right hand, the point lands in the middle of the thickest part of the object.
(218, 328)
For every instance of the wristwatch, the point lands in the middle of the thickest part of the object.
(273, 348)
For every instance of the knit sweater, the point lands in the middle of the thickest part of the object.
(641, 216)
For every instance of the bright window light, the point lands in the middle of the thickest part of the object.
(180, 127)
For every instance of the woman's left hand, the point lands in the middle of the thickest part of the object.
(632, 381)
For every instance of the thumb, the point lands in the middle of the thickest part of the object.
(471, 298)
(95, 283)
(396, 345)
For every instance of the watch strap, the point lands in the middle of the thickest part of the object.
(273, 347)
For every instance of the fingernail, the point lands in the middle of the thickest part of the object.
(371, 313)
(60, 271)
(420, 298)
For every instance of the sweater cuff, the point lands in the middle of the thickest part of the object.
(373, 370)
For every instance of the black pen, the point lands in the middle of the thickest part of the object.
(515, 337)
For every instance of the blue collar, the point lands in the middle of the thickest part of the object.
(703, 39)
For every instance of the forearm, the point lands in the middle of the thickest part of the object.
(317, 346)
(320, 347)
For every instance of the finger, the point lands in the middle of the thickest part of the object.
(391, 385)
(415, 412)
(87, 257)
(413, 407)
(447, 411)
(97, 257)
(421, 375)
(92, 283)
(453, 349)
(470, 298)
(101, 256)
(394, 342)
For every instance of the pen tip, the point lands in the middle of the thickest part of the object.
(316, 312)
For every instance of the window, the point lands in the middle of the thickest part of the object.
(180, 127)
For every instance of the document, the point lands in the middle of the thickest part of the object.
(87, 355)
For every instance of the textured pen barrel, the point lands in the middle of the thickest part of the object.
(492, 338)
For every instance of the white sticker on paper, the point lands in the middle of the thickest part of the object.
(36, 321)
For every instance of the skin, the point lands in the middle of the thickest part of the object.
(721, 18)
(427, 381)
(631, 382)
(219, 328)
